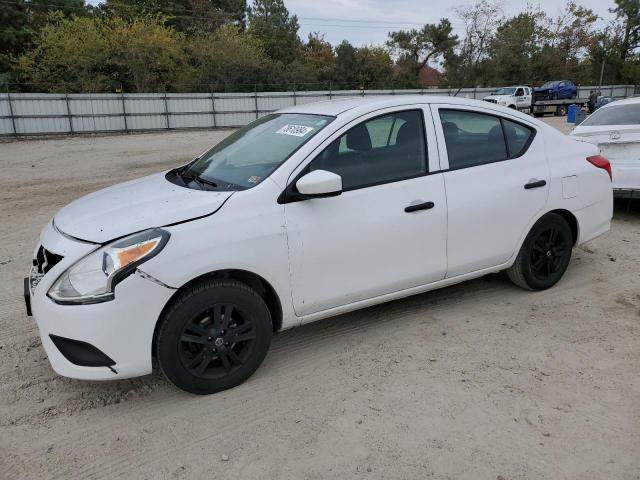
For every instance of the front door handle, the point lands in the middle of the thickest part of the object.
(419, 206)
(536, 184)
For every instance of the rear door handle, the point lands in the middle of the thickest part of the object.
(536, 184)
(419, 206)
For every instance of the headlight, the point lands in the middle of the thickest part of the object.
(93, 278)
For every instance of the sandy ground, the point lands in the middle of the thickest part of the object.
(477, 381)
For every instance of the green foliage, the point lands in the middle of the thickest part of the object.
(187, 16)
(225, 60)
(417, 47)
(69, 55)
(269, 22)
(84, 54)
(214, 45)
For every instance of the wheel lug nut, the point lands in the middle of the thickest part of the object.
(209, 338)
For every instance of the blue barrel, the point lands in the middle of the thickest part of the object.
(572, 113)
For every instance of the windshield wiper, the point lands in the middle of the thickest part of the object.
(202, 180)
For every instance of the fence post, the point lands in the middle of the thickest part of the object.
(213, 109)
(295, 100)
(255, 97)
(13, 118)
(330, 91)
(124, 113)
(66, 99)
(166, 110)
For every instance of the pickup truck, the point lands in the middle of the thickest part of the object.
(518, 97)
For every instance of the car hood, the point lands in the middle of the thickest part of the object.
(497, 97)
(133, 206)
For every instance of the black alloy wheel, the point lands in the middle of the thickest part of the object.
(213, 335)
(544, 255)
(217, 341)
(548, 253)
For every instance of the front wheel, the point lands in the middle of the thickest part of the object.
(213, 336)
(544, 255)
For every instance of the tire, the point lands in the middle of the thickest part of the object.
(561, 110)
(513, 107)
(543, 259)
(213, 336)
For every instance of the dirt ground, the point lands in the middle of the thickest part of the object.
(476, 381)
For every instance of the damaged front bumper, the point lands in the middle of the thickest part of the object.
(99, 341)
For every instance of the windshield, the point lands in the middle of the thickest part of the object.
(505, 91)
(251, 154)
(549, 85)
(615, 115)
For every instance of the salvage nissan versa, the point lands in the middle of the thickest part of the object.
(306, 213)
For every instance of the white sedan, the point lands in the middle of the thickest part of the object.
(615, 130)
(304, 214)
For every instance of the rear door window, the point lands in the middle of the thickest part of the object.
(472, 138)
(475, 138)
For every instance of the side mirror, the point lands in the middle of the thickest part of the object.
(318, 184)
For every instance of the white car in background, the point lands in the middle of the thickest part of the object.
(615, 129)
(518, 97)
(304, 214)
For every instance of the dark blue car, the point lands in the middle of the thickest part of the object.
(556, 90)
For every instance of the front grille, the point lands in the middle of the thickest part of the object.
(491, 100)
(46, 260)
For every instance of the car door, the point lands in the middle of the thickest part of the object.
(521, 100)
(527, 97)
(496, 183)
(386, 231)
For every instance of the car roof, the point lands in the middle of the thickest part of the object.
(366, 104)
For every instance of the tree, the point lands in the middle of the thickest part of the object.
(515, 47)
(147, 54)
(375, 67)
(417, 47)
(225, 60)
(96, 54)
(481, 21)
(269, 22)
(318, 53)
(569, 37)
(188, 16)
(628, 15)
(69, 55)
(20, 21)
(346, 75)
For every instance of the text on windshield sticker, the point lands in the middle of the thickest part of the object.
(295, 130)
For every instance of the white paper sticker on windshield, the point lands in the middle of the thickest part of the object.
(295, 130)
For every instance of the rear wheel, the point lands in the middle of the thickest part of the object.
(544, 255)
(561, 110)
(214, 335)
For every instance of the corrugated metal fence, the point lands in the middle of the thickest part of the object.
(44, 114)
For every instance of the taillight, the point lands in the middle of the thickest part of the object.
(600, 162)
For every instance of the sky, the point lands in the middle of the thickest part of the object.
(377, 17)
(366, 22)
